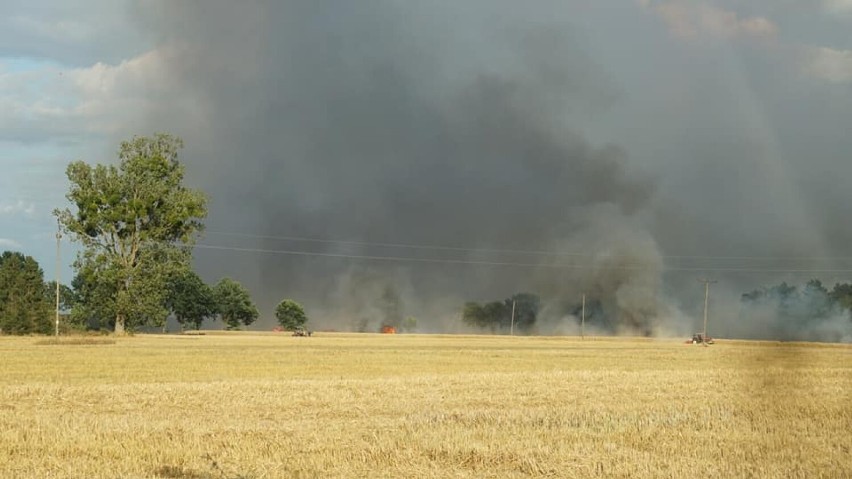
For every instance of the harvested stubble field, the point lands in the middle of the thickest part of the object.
(347, 405)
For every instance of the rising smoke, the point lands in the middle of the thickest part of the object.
(430, 123)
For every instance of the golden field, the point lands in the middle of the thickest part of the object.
(358, 405)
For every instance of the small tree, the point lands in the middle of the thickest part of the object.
(526, 311)
(290, 315)
(497, 315)
(190, 299)
(842, 295)
(234, 304)
(816, 300)
(409, 324)
(473, 314)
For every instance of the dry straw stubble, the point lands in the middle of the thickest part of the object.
(338, 405)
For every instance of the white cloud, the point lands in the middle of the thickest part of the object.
(54, 29)
(6, 243)
(51, 102)
(71, 32)
(18, 207)
(692, 20)
(831, 65)
(701, 20)
(837, 6)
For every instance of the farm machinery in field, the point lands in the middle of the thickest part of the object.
(302, 332)
(699, 338)
(296, 332)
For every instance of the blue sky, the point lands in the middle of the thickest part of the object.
(48, 51)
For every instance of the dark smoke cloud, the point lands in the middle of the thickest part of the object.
(445, 123)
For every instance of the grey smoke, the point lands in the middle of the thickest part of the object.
(467, 124)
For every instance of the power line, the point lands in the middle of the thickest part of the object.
(375, 257)
(707, 283)
(516, 264)
(515, 251)
(397, 245)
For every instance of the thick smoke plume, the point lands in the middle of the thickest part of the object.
(414, 123)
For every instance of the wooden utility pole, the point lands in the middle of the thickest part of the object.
(58, 267)
(512, 327)
(583, 320)
(707, 284)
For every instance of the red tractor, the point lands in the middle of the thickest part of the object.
(699, 338)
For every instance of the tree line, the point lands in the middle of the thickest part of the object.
(137, 223)
(811, 302)
(803, 306)
(518, 311)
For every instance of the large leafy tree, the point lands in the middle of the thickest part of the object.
(234, 304)
(190, 299)
(135, 221)
(290, 315)
(24, 309)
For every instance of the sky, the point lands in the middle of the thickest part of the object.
(650, 143)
